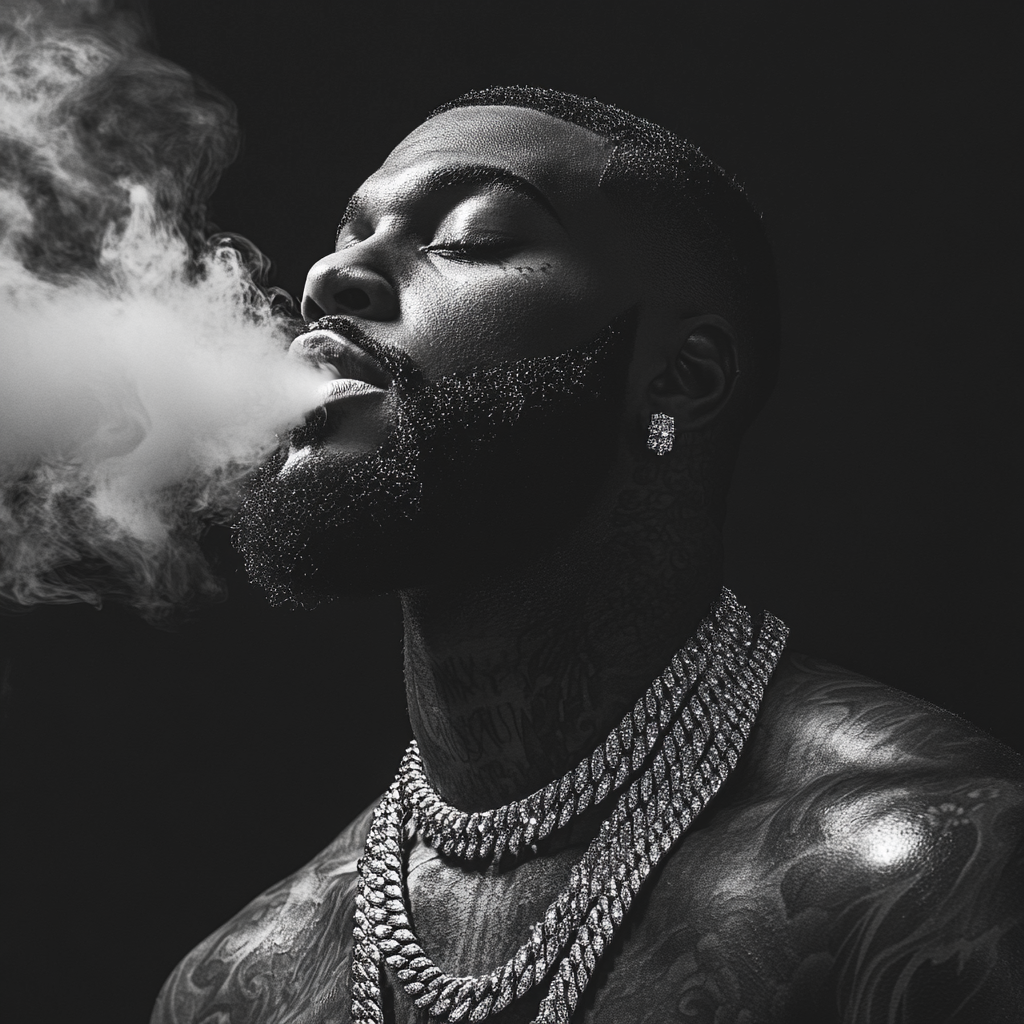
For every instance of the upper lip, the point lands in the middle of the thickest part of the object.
(329, 348)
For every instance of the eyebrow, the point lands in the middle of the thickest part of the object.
(479, 175)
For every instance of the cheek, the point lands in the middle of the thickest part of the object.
(521, 310)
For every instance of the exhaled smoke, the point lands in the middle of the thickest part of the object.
(144, 373)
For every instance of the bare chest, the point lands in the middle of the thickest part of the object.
(708, 941)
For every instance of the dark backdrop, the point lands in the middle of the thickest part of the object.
(157, 781)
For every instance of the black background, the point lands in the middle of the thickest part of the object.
(156, 781)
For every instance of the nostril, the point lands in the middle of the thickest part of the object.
(352, 298)
(311, 310)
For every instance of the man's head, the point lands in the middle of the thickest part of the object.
(535, 275)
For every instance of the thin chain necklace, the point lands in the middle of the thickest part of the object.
(694, 720)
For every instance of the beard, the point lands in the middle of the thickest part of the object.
(480, 469)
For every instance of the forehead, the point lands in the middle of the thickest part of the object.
(562, 160)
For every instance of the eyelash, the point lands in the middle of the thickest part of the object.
(461, 251)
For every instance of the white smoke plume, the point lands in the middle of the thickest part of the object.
(143, 371)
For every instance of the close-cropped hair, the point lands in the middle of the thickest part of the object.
(726, 265)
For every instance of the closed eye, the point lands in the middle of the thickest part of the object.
(470, 251)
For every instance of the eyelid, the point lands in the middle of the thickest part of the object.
(470, 238)
(481, 243)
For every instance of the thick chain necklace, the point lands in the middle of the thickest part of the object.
(666, 759)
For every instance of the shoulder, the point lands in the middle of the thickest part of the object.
(866, 770)
(818, 718)
(280, 957)
(870, 841)
(915, 826)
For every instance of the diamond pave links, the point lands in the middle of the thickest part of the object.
(486, 835)
(697, 749)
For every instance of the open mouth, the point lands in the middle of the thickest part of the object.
(356, 372)
(343, 387)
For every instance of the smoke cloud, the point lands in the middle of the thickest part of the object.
(143, 369)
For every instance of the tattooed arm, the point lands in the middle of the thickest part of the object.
(919, 856)
(283, 957)
(938, 936)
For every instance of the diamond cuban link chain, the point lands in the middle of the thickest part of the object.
(695, 717)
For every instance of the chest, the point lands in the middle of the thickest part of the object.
(708, 940)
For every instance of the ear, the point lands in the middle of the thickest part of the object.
(697, 383)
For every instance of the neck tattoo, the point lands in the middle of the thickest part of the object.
(663, 762)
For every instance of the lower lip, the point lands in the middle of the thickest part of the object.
(344, 387)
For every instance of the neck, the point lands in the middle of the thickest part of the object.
(512, 679)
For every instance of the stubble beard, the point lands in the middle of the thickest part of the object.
(479, 469)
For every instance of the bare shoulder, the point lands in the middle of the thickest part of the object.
(914, 821)
(870, 850)
(281, 957)
(819, 718)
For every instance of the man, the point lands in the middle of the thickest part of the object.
(550, 323)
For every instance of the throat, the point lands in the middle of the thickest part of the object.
(509, 691)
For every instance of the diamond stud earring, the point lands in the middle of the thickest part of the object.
(662, 433)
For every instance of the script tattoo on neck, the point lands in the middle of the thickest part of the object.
(518, 693)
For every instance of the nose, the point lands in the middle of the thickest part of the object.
(335, 285)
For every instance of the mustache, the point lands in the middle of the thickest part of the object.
(403, 370)
(407, 379)
(426, 399)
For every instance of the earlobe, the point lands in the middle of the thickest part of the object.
(695, 387)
